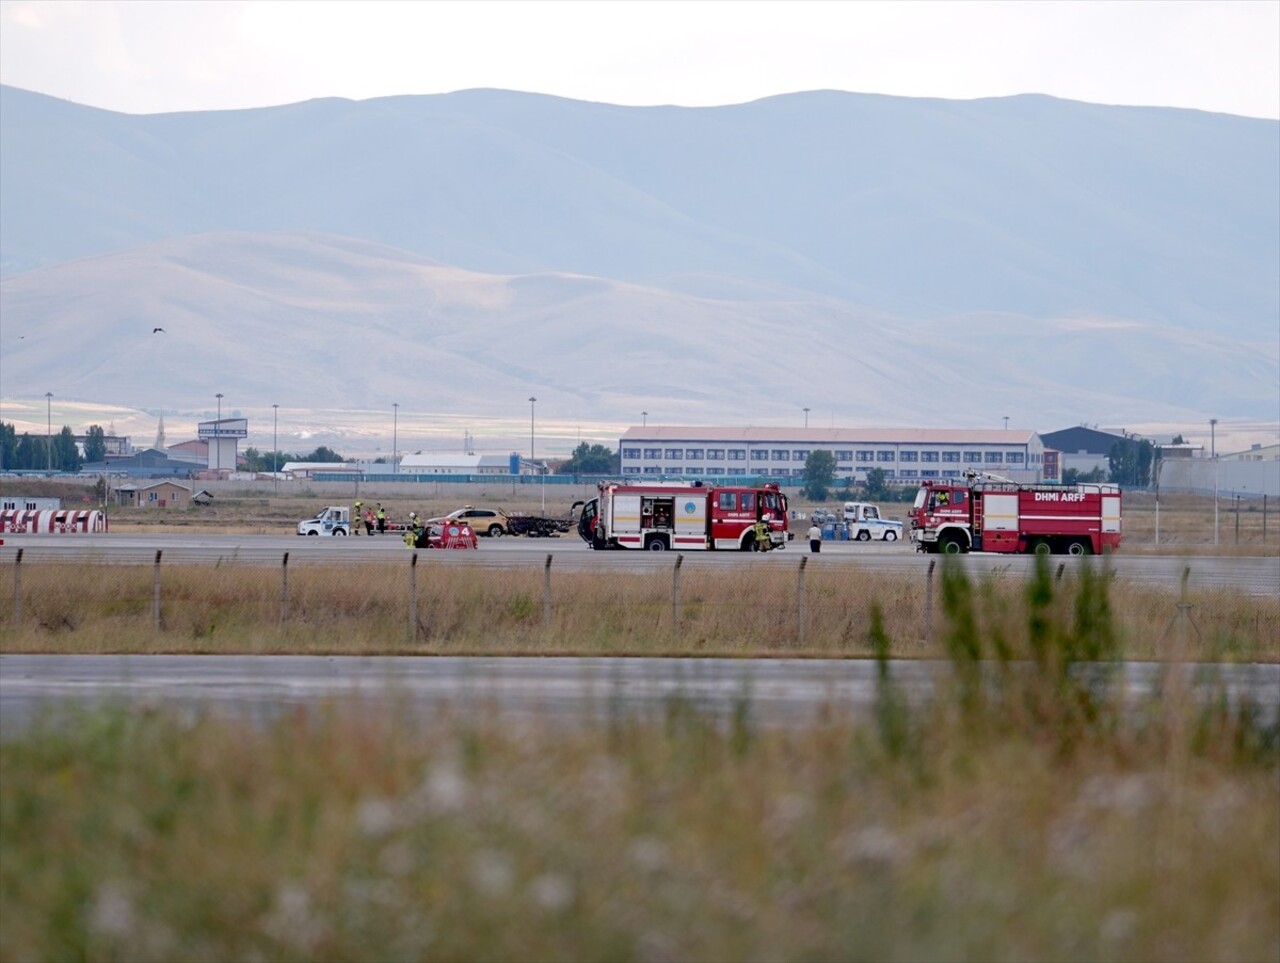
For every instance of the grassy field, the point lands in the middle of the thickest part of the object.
(1028, 812)
(393, 608)
(1027, 817)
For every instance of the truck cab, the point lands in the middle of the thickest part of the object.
(333, 520)
(864, 523)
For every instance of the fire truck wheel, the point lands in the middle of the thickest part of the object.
(950, 545)
(1078, 547)
(657, 545)
(1042, 547)
(864, 536)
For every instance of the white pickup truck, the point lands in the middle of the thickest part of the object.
(864, 523)
(334, 520)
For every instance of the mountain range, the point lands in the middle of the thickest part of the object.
(878, 260)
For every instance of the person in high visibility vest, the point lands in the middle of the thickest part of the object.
(382, 519)
(355, 518)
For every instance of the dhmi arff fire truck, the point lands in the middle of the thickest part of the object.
(990, 513)
(685, 516)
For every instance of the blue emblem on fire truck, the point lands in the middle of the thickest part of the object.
(690, 508)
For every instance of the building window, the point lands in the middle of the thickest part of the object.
(865, 456)
(799, 472)
(950, 473)
(800, 455)
(715, 454)
(928, 456)
(781, 454)
(884, 456)
(673, 454)
(693, 471)
(715, 470)
(909, 456)
(780, 472)
(737, 454)
(951, 456)
(631, 453)
(653, 453)
(928, 473)
(844, 455)
(973, 457)
(1014, 457)
(676, 470)
(995, 458)
(693, 454)
(908, 473)
(651, 470)
(759, 454)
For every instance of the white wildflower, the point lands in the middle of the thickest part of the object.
(552, 892)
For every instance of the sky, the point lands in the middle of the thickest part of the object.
(152, 56)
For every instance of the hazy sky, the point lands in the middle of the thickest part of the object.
(144, 57)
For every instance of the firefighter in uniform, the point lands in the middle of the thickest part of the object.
(762, 542)
(382, 519)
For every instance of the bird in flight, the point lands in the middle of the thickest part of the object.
(157, 330)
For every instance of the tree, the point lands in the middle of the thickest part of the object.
(8, 446)
(95, 444)
(819, 475)
(876, 488)
(590, 460)
(1130, 462)
(66, 456)
(322, 454)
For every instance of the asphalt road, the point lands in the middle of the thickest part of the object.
(259, 688)
(1252, 575)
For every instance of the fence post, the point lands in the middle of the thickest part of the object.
(800, 619)
(155, 592)
(284, 589)
(546, 593)
(675, 594)
(928, 602)
(17, 589)
(413, 598)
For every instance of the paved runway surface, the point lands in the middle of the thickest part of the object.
(778, 691)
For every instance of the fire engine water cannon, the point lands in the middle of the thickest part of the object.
(990, 513)
(658, 516)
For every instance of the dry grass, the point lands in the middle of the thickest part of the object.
(1027, 811)
(948, 832)
(237, 609)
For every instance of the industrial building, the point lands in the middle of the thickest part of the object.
(905, 455)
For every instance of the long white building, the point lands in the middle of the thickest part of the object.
(906, 455)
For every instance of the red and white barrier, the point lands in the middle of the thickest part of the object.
(57, 522)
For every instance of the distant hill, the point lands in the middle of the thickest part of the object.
(333, 322)
(875, 258)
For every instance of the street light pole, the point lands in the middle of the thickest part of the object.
(1213, 454)
(395, 438)
(1006, 422)
(532, 402)
(48, 413)
(806, 417)
(644, 419)
(217, 431)
(275, 446)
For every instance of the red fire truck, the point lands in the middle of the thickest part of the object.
(687, 516)
(993, 514)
